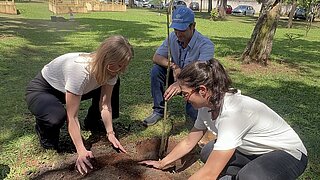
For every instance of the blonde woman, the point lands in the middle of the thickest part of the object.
(73, 77)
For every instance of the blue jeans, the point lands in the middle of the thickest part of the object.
(158, 82)
(277, 165)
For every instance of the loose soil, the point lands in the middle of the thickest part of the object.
(110, 164)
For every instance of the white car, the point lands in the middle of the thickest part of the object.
(141, 3)
(156, 4)
(243, 10)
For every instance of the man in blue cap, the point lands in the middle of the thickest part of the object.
(187, 45)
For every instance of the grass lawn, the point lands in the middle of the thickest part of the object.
(290, 84)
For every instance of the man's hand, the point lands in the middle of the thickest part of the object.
(115, 142)
(176, 70)
(83, 161)
(172, 90)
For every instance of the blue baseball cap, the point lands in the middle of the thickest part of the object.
(182, 17)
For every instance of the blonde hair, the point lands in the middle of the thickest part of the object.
(114, 50)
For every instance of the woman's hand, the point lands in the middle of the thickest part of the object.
(154, 164)
(115, 142)
(83, 161)
(172, 90)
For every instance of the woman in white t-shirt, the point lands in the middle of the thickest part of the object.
(253, 142)
(54, 95)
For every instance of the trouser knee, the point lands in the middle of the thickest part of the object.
(248, 175)
(206, 151)
(158, 73)
(52, 121)
(94, 110)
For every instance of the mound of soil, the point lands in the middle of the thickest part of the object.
(110, 164)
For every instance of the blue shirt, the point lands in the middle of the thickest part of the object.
(199, 48)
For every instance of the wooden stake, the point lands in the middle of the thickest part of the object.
(165, 134)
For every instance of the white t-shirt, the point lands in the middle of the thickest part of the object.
(69, 72)
(251, 127)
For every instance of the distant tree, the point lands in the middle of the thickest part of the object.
(260, 45)
(293, 9)
(131, 3)
(310, 5)
(222, 5)
(210, 5)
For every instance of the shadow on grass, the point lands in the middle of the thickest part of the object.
(4, 171)
(47, 33)
(289, 51)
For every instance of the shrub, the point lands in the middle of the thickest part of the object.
(214, 14)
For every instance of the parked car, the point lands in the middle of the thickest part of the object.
(156, 4)
(301, 13)
(243, 10)
(141, 3)
(135, 3)
(228, 9)
(176, 4)
(194, 6)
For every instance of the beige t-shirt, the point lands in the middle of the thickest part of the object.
(69, 72)
(251, 127)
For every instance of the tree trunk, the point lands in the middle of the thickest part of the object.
(210, 6)
(131, 3)
(221, 7)
(259, 47)
(218, 4)
(293, 8)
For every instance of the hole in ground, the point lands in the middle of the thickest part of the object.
(108, 164)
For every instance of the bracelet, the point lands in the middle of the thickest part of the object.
(111, 132)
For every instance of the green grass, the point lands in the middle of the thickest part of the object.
(290, 85)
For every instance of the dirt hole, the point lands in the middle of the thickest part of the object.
(109, 164)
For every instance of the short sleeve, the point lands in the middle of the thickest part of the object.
(206, 50)
(232, 127)
(203, 116)
(76, 81)
(163, 49)
(112, 81)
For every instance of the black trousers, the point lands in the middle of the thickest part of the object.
(47, 105)
(277, 165)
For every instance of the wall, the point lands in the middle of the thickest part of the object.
(8, 7)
